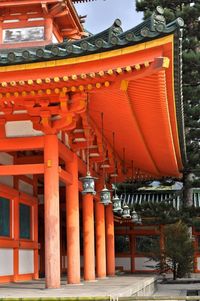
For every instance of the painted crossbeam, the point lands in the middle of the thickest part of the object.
(65, 176)
(20, 144)
(25, 2)
(25, 169)
(64, 152)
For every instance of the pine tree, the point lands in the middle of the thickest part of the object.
(177, 254)
(189, 10)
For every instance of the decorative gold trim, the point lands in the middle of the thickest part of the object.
(91, 57)
(50, 91)
(74, 77)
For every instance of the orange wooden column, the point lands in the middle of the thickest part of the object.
(72, 224)
(88, 237)
(162, 244)
(51, 212)
(2, 122)
(16, 238)
(100, 240)
(36, 263)
(110, 241)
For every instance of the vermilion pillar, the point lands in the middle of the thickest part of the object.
(51, 206)
(72, 220)
(110, 241)
(88, 237)
(2, 124)
(100, 240)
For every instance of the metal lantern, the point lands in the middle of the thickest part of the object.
(126, 212)
(139, 221)
(105, 196)
(88, 184)
(134, 216)
(117, 208)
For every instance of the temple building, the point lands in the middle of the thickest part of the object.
(75, 109)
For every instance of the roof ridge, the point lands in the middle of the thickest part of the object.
(112, 38)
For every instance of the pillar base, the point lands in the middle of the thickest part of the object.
(75, 284)
(95, 280)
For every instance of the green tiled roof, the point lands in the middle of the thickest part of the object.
(109, 39)
(171, 197)
(112, 38)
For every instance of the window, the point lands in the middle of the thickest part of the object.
(122, 244)
(24, 221)
(4, 217)
(147, 243)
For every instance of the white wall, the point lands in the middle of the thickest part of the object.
(198, 263)
(6, 159)
(25, 187)
(21, 129)
(26, 261)
(124, 262)
(144, 264)
(6, 262)
(7, 180)
(141, 263)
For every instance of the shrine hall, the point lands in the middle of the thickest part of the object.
(78, 114)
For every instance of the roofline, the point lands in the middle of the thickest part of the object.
(110, 39)
(113, 38)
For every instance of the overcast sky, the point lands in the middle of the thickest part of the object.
(102, 13)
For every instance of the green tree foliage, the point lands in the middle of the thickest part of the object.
(178, 249)
(177, 254)
(189, 10)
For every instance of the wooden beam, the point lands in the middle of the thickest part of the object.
(25, 179)
(136, 232)
(20, 144)
(65, 176)
(25, 2)
(64, 152)
(26, 169)
(29, 160)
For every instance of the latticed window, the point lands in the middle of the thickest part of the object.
(122, 244)
(4, 217)
(25, 221)
(146, 243)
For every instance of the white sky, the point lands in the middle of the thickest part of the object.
(102, 13)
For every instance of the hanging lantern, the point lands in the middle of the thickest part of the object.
(126, 212)
(117, 208)
(88, 184)
(134, 216)
(139, 222)
(105, 196)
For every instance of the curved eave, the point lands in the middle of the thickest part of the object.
(179, 93)
(107, 40)
(168, 108)
(82, 1)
